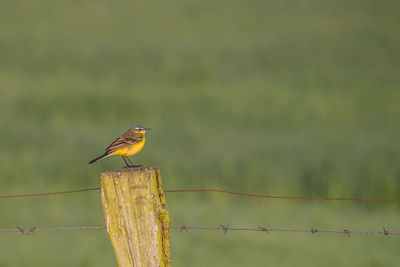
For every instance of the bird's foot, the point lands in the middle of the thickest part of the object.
(132, 166)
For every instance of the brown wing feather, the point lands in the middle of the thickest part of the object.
(125, 140)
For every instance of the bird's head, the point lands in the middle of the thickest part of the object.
(139, 129)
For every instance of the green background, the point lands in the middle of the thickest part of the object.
(297, 98)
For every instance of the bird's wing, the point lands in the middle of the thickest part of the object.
(124, 141)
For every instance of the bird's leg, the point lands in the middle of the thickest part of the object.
(127, 165)
(131, 164)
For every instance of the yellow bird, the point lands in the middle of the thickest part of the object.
(128, 144)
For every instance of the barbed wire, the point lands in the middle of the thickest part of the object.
(31, 230)
(226, 228)
(213, 190)
(223, 228)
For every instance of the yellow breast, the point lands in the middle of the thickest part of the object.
(131, 150)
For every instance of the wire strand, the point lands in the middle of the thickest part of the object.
(218, 191)
(227, 228)
(52, 193)
(223, 228)
(41, 229)
(276, 197)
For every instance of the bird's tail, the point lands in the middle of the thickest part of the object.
(99, 158)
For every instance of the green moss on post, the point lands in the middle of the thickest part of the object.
(136, 216)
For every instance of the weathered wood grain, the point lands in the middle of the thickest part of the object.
(136, 216)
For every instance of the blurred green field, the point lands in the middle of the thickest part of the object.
(272, 97)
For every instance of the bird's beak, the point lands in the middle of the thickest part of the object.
(147, 129)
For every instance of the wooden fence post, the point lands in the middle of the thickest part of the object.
(136, 216)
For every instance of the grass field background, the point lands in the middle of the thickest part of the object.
(270, 97)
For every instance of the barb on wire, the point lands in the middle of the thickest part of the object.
(184, 227)
(347, 232)
(227, 228)
(277, 197)
(224, 228)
